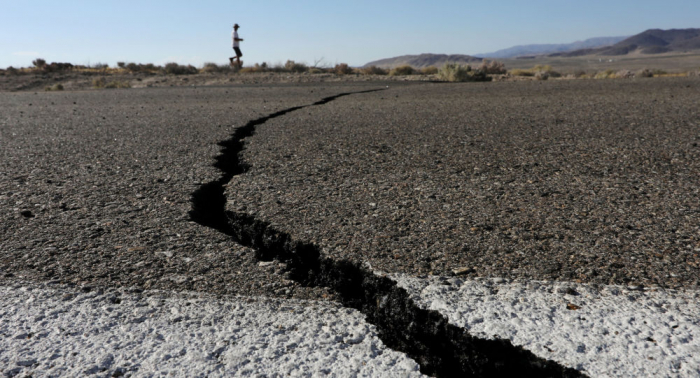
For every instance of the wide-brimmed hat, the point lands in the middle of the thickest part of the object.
(236, 26)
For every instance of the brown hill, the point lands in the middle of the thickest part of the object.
(652, 41)
(424, 60)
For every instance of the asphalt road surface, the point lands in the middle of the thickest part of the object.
(574, 195)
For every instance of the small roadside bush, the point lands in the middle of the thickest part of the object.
(546, 69)
(624, 74)
(316, 70)
(374, 70)
(39, 63)
(213, 68)
(607, 74)
(342, 69)
(579, 74)
(12, 71)
(55, 87)
(292, 66)
(145, 68)
(454, 72)
(429, 70)
(493, 67)
(177, 69)
(402, 71)
(133, 67)
(121, 64)
(542, 75)
(258, 67)
(99, 82)
(644, 73)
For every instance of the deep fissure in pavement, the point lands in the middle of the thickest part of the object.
(441, 349)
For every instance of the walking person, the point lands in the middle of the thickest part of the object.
(236, 47)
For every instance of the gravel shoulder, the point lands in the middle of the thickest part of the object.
(95, 188)
(582, 181)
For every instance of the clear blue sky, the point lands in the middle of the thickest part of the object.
(353, 32)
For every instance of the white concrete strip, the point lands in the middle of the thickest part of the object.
(604, 331)
(47, 330)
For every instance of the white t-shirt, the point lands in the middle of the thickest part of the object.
(234, 37)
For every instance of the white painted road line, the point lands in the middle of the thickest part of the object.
(47, 330)
(604, 331)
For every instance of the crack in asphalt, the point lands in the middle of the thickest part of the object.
(441, 349)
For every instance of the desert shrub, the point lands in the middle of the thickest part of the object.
(658, 72)
(624, 74)
(292, 66)
(214, 68)
(100, 66)
(178, 69)
(541, 72)
(148, 68)
(12, 71)
(454, 72)
(607, 74)
(579, 74)
(546, 69)
(402, 70)
(39, 63)
(316, 70)
(342, 69)
(121, 64)
(100, 82)
(460, 73)
(493, 67)
(542, 75)
(55, 87)
(644, 73)
(521, 72)
(133, 67)
(374, 70)
(432, 70)
(258, 67)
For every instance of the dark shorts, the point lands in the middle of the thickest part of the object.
(238, 52)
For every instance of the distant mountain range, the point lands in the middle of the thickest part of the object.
(652, 41)
(424, 60)
(545, 49)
